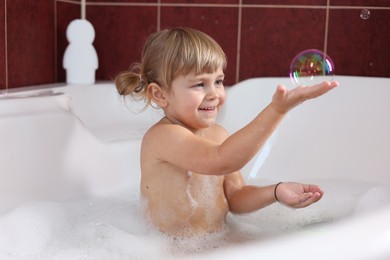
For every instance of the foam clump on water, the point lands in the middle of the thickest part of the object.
(373, 199)
(115, 228)
(27, 229)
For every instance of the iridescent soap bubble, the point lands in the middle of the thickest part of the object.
(311, 67)
(365, 14)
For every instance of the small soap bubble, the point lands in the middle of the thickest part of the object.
(311, 67)
(365, 14)
(3, 94)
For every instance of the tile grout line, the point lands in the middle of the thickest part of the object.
(69, 2)
(6, 46)
(326, 28)
(238, 55)
(159, 16)
(55, 42)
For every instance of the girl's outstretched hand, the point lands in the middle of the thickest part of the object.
(284, 100)
(297, 195)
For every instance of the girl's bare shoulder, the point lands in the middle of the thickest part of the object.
(164, 130)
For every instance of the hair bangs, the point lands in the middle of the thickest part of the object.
(190, 50)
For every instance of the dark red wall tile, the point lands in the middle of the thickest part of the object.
(120, 32)
(30, 42)
(268, 45)
(219, 23)
(285, 2)
(360, 47)
(360, 2)
(2, 46)
(120, 36)
(120, 2)
(202, 1)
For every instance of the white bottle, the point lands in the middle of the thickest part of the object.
(80, 57)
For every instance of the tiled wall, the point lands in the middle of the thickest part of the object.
(27, 48)
(260, 37)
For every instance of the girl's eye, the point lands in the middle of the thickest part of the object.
(219, 82)
(201, 84)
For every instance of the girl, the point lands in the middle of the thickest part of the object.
(190, 175)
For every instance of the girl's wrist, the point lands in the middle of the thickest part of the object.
(275, 191)
(278, 110)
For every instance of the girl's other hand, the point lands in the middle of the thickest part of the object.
(298, 195)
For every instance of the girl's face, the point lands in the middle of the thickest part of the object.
(194, 100)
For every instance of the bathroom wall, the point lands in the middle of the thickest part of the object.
(260, 37)
(27, 43)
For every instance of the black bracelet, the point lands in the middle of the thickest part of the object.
(276, 186)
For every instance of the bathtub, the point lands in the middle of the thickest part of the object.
(70, 175)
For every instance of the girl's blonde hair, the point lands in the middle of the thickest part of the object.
(167, 54)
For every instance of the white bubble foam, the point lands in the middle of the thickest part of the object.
(373, 199)
(27, 229)
(114, 227)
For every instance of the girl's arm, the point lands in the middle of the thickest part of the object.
(243, 198)
(179, 146)
(247, 198)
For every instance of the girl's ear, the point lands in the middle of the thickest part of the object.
(157, 95)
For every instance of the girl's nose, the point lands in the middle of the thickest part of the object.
(212, 93)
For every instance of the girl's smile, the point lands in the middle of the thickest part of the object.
(208, 109)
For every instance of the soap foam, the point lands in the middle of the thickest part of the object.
(25, 230)
(373, 199)
(115, 228)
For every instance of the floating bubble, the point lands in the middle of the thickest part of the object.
(365, 14)
(311, 67)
